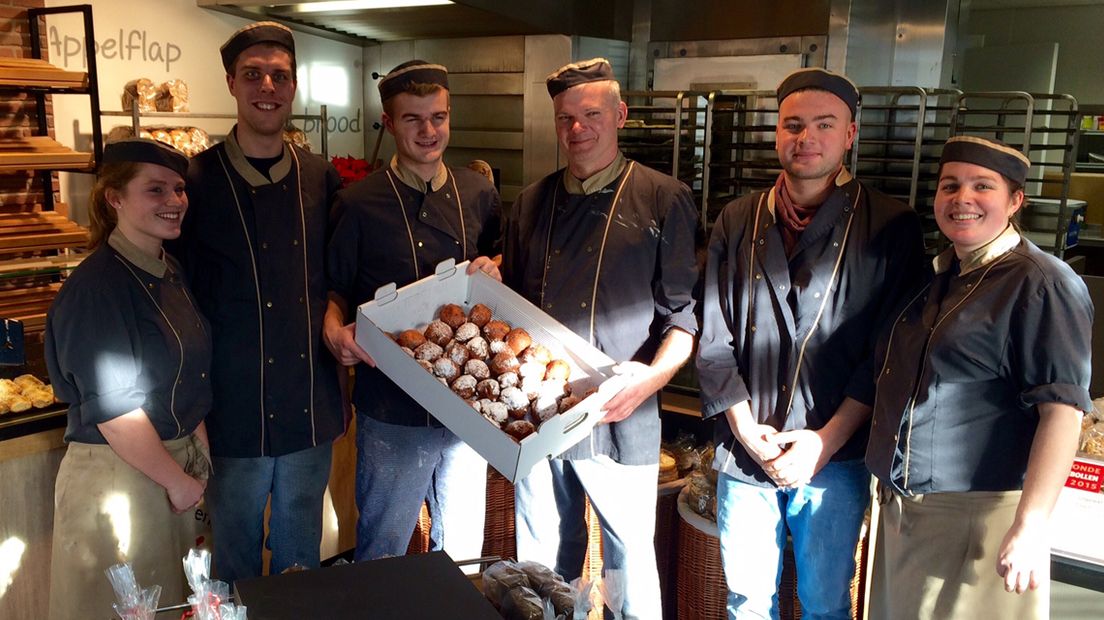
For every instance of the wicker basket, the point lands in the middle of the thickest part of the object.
(419, 540)
(499, 530)
(700, 578)
(666, 539)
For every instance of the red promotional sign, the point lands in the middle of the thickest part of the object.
(1085, 476)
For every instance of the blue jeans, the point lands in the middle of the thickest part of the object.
(237, 494)
(400, 466)
(551, 528)
(823, 518)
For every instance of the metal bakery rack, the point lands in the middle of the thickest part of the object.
(1045, 128)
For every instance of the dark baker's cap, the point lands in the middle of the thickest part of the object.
(248, 36)
(593, 70)
(820, 79)
(992, 154)
(412, 72)
(142, 150)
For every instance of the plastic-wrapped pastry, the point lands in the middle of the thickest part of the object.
(9, 387)
(172, 96)
(28, 381)
(40, 397)
(143, 91)
(19, 404)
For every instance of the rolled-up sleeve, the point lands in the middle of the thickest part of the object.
(678, 268)
(722, 385)
(96, 343)
(1051, 344)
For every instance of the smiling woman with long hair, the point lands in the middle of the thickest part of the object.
(983, 380)
(129, 352)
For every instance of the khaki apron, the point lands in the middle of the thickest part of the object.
(107, 512)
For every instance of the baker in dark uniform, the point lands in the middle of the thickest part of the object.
(797, 280)
(130, 353)
(254, 246)
(606, 247)
(395, 226)
(983, 378)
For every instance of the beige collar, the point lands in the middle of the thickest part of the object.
(980, 257)
(596, 181)
(416, 182)
(247, 171)
(154, 266)
(843, 178)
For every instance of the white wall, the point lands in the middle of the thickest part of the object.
(164, 39)
(1076, 30)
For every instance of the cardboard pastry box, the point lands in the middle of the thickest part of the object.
(415, 305)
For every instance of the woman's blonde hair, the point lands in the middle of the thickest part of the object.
(102, 216)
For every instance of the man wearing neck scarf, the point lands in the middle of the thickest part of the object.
(798, 281)
(395, 226)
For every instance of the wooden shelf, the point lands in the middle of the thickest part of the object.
(12, 268)
(34, 73)
(38, 153)
(41, 230)
(680, 403)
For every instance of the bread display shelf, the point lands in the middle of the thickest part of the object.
(41, 230)
(32, 72)
(40, 153)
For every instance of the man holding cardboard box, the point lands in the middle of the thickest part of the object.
(605, 246)
(395, 226)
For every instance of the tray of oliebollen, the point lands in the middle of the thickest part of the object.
(413, 306)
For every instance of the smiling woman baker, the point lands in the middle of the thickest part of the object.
(982, 382)
(129, 352)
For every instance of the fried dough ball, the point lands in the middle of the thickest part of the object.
(458, 353)
(488, 388)
(467, 331)
(411, 339)
(518, 340)
(439, 333)
(428, 352)
(567, 402)
(464, 386)
(452, 315)
(446, 369)
(477, 368)
(503, 362)
(480, 315)
(479, 348)
(494, 411)
(558, 370)
(536, 353)
(520, 429)
(508, 379)
(496, 330)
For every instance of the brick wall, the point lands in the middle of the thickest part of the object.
(18, 112)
